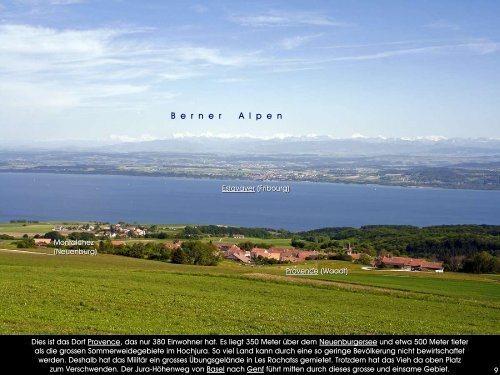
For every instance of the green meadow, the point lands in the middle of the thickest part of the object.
(114, 294)
(29, 228)
(284, 242)
(464, 286)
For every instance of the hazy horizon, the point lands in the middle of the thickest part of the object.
(279, 144)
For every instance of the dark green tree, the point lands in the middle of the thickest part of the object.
(53, 235)
(178, 256)
(482, 262)
(364, 259)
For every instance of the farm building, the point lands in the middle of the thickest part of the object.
(172, 245)
(409, 264)
(42, 241)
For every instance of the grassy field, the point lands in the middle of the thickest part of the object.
(26, 228)
(282, 242)
(18, 229)
(8, 244)
(113, 294)
(465, 286)
(279, 242)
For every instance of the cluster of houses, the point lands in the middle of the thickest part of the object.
(292, 255)
(81, 228)
(277, 253)
(105, 231)
(119, 231)
(280, 254)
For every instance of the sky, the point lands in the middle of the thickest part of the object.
(112, 71)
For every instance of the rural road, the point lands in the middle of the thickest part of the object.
(24, 251)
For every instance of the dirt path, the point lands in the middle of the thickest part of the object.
(319, 282)
(24, 251)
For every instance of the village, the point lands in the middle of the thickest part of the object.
(272, 255)
(293, 255)
(105, 230)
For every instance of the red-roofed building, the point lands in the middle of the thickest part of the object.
(233, 249)
(282, 250)
(409, 264)
(223, 246)
(42, 241)
(434, 266)
(264, 253)
(240, 256)
(281, 254)
(415, 263)
(270, 255)
(304, 255)
(173, 245)
(256, 251)
(289, 258)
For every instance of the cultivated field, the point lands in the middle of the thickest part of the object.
(115, 294)
(18, 229)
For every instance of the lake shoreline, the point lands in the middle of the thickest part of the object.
(114, 198)
(229, 178)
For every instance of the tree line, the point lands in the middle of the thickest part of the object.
(190, 252)
(467, 248)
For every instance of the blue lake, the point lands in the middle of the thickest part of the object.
(59, 197)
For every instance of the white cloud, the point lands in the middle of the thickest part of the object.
(481, 48)
(32, 40)
(297, 41)
(174, 76)
(231, 136)
(91, 66)
(105, 47)
(128, 138)
(379, 44)
(293, 69)
(359, 136)
(207, 55)
(282, 19)
(231, 80)
(432, 138)
(310, 136)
